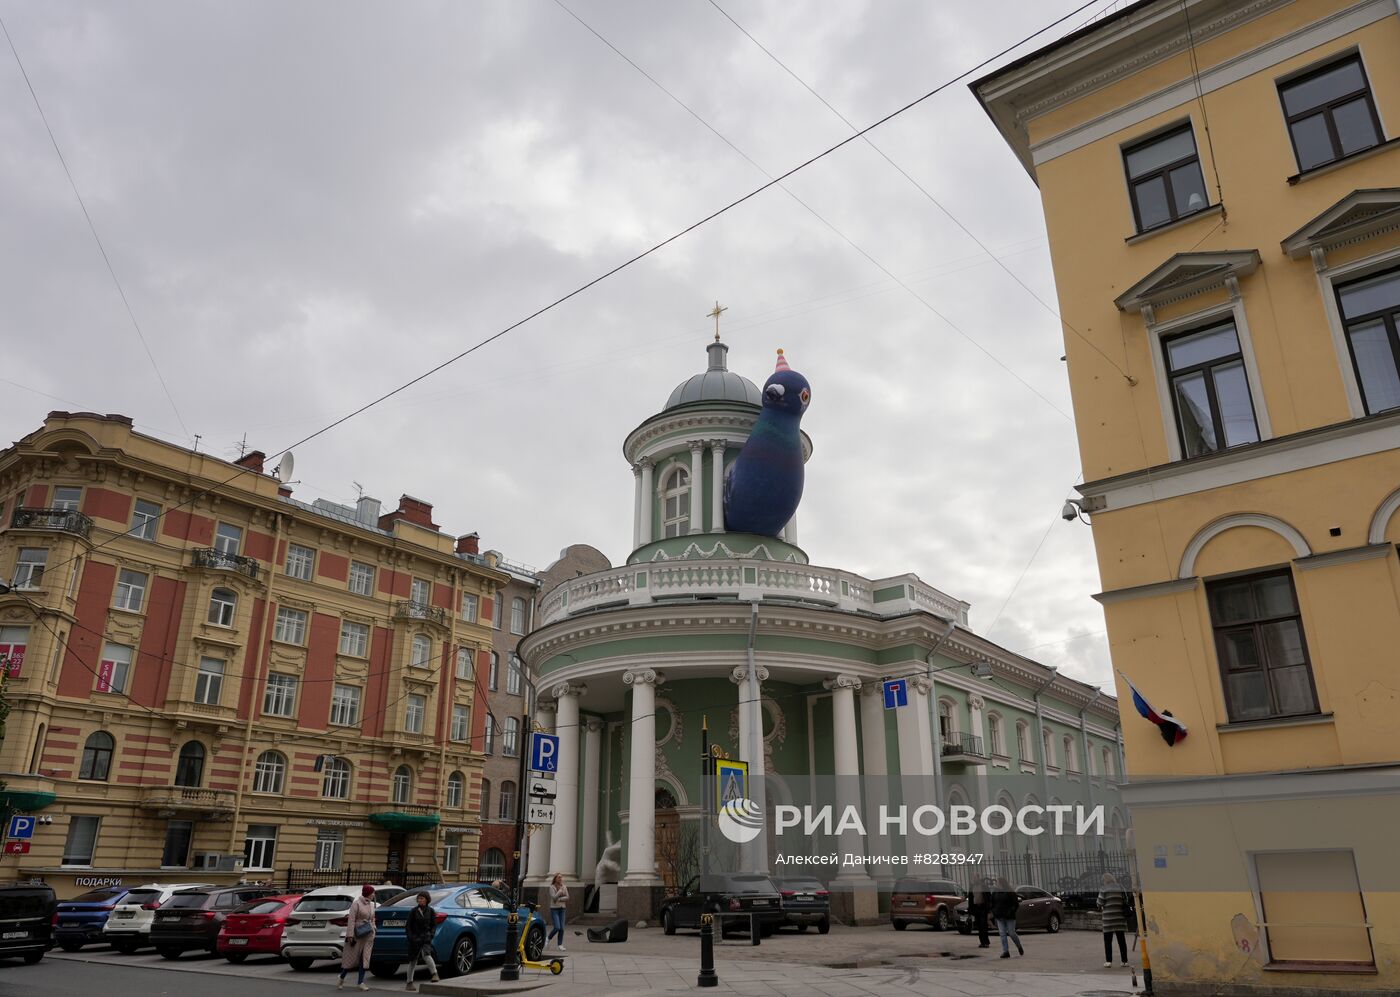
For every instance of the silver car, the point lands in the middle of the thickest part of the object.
(128, 927)
(315, 927)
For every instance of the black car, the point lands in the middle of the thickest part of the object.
(191, 919)
(81, 919)
(805, 902)
(734, 898)
(26, 920)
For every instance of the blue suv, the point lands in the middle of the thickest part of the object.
(80, 920)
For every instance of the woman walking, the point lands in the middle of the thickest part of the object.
(422, 925)
(1113, 901)
(359, 937)
(1005, 904)
(558, 902)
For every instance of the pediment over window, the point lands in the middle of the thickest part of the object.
(1359, 215)
(1186, 274)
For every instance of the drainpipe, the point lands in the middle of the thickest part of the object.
(1040, 743)
(757, 790)
(935, 734)
(1118, 735)
(445, 704)
(1084, 749)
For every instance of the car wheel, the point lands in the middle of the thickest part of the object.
(30, 958)
(534, 943)
(169, 953)
(900, 925)
(1053, 925)
(69, 946)
(384, 970)
(235, 957)
(300, 963)
(943, 921)
(668, 923)
(464, 955)
(824, 926)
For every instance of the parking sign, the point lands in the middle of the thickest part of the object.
(544, 753)
(21, 827)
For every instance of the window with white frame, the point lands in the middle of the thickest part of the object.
(498, 610)
(494, 674)
(345, 705)
(144, 517)
(510, 742)
(1107, 763)
(485, 799)
(290, 627)
(1023, 741)
(456, 790)
(114, 669)
(330, 849)
(1071, 756)
(131, 591)
(517, 616)
(488, 738)
(451, 852)
(269, 773)
(301, 562)
(421, 653)
(945, 721)
(420, 593)
(461, 722)
(464, 663)
(996, 734)
(223, 605)
(469, 608)
(414, 710)
(281, 696)
(402, 785)
(209, 682)
(361, 578)
(514, 674)
(1048, 743)
(1370, 312)
(493, 864)
(228, 539)
(81, 843)
(675, 503)
(29, 567)
(260, 847)
(67, 499)
(354, 639)
(335, 779)
(507, 802)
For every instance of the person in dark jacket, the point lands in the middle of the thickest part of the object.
(1005, 904)
(422, 925)
(1113, 902)
(979, 905)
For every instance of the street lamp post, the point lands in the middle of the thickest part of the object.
(708, 977)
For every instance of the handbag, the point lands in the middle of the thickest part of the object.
(363, 929)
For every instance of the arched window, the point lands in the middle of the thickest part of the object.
(485, 799)
(1048, 743)
(493, 676)
(422, 651)
(513, 674)
(675, 498)
(517, 616)
(97, 756)
(189, 770)
(498, 610)
(403, 784)
(493, 864)
(488, 736)
(1091, 764)
(945, 721)
(996, 734)
(335, 779)
(1107, 764)
(1023, 740)
(269, 772)
(510, 742)
(456, 784)
(1071, 756)
(507, 807)
(223, 604)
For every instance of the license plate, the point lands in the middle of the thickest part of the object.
(238, 941)
(15, 934)
(125, 913)
(394, 924)
(910, 903)
(760, 903)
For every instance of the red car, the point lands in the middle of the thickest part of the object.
(255, 928)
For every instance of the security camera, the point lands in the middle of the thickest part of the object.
(1069, 512)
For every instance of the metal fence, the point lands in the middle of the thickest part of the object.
(304, 879)
(1073, 877)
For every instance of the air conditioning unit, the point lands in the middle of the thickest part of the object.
(218, 862)
(206, 860)
(230, 863)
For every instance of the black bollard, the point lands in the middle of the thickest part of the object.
(708, 977)
(510, 969)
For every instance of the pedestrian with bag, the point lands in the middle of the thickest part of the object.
(1005, 904)
(979, 905)
(1113, 902)
(359, 937)
(422, 925)
(558, 903)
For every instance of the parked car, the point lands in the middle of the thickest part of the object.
(255, 928)
(26, 920)
(805, 902)
(315, 927)
(924, 901)
(192, 919)
(736, 898)
(128, 926)
(1037, 911)
(472, 920)
(80, 920)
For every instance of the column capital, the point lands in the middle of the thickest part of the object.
(637, 471)
(716, 444)
(642, 676)
(645, 462)
(593, 725)
(842, 682)
(574, 689)
(921, 685)
(740, 675)
(696, 446)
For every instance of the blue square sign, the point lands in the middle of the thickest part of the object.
(896, 693)
(544, 753)
(21, 827)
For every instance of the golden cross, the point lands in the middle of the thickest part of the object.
(715, 315)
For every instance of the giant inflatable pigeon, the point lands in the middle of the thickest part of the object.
(764, 484)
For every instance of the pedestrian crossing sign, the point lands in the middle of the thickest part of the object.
(731, 781)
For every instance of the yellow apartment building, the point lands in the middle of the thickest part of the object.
(210, 680)
(1221, 187)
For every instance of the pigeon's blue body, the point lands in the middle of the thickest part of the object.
(764, 485)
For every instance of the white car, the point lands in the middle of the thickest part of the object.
(315, 927)
(128, 927)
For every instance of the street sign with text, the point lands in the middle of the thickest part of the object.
(540, 813)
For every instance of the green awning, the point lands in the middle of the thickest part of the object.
(393, 820)
(26, 800)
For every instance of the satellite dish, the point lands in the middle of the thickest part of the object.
(283, 471)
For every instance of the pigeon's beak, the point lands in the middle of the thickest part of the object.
(774, 392)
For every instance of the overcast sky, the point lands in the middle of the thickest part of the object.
(307, 204)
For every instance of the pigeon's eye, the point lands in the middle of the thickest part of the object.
(806, 396)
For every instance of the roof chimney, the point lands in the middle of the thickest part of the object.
(252, 460)
(367, 511)
(411, 510)
(469, 544)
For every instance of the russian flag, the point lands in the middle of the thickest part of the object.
(1173, 731)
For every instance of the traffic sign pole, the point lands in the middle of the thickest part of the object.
(510, 969)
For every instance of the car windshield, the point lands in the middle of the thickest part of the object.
(96, 897)
(801, 884)
(187, 900)
(435, 897)
(260, 907)
(20, 902)
(750, 884)
(142, 897)
(328, 902)
(913, 886)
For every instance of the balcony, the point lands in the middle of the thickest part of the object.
(208, 557)
(26, 793)
(420, 611)
(964, 748)
(188, 801)
(61, 520)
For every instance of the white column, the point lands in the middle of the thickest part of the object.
(843, 722)
(641, 783)
(917, 783)
(592, 765)
(648, 499)
(537, 869)
(751, 750)
(697, 490)
(872, 753)
(636, 506)
(976, 707)
(717, 486)
(563, 837)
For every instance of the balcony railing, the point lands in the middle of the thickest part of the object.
(189, 800)
(63, 520)
(420, 611)
(208, 557)
(963, 746)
